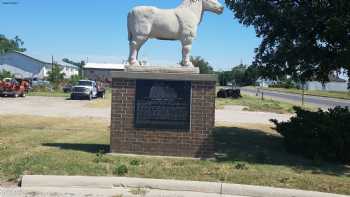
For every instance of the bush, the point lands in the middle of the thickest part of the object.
(135, 162)
(121, 170)
(286, 85)
(318, 135)
(42, 88)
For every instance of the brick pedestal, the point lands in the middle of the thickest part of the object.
(193, 142)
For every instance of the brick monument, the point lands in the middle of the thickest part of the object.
(161, 110)
(162, 113)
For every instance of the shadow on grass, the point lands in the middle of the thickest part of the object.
(258, 147)
(90, 148)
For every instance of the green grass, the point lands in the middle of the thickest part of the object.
(49, 94)
(251, 154)
(102, 103)
(330, 94)
(256, 104)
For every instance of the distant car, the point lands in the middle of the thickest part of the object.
(41, 84)
(87, 89)
(67, 88)
(37, 82)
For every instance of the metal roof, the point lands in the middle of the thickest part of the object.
(47, 64)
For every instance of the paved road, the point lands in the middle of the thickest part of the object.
(321, 102)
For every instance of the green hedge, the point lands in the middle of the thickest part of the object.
(318, 135)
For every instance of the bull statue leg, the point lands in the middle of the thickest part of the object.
(135, 46)
(186, 51)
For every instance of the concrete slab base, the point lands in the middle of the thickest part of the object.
(156, 156)
(98, 192)
(176, 186)
(163, 69)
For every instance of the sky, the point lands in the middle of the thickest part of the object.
(96, 30)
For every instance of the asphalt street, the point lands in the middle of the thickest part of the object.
(321, 102)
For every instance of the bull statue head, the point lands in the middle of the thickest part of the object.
(212, 6)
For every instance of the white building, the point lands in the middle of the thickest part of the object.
(265, 82)
(26, 66)
(335, 84)
(101, 72)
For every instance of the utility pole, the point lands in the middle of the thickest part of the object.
(303, 95)
(51, 63)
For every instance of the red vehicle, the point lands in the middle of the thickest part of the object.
(14, 87)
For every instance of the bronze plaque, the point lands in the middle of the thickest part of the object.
(163, 104)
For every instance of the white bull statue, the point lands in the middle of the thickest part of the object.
(168, 24)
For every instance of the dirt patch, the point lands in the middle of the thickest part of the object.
(51, 107)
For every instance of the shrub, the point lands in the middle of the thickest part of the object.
(121, 170)
(318, 135)
(241, 166)
(135, 162)
(100, 156)
(285, 84)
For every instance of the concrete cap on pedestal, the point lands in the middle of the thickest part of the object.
(163, 73)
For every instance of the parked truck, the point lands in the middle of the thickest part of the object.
(14, 87)
(87, 89)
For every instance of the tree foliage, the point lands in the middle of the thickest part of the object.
(74, 79)
(5, 74)
(7, 45)
(241, 75)
(55, 75)
(224, 77)
(204, 66)
(300, 38)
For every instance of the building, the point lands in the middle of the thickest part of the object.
(25, 66)
(265, 82)
(101, 72)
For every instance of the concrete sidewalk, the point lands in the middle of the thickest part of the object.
(123, 186)
(99, 192)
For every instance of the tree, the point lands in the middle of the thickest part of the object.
(5, 74)
(300, 38)
(80, 65)
(56, 76)
(238, 74)
(245, 75)
(204, 66)
(224, 77)
(7, 45)
(74, 79)
(251, 75)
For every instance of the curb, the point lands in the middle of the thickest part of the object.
(29, 181)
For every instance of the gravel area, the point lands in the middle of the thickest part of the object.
(51, 107)
(62, 107)
(236, 114)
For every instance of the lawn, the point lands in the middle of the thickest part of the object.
(49, 94)
(330, 94)
(249, 154)
(101, 103)
(251, 103)
(256, 104)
